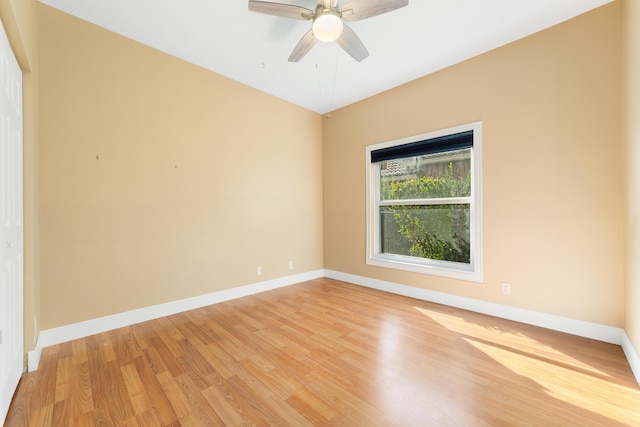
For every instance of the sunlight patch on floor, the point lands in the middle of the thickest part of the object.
(517, 341)
(562, 382)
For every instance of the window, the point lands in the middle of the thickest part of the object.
(424, 203)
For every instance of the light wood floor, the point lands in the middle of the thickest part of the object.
(329, 353)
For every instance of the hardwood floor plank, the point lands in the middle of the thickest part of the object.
(326, 352)
(42, 417)
(133, 422)
(142, 332)
(162, 408)
(169, 335)
(201, 410)
(230, 406)
(287, 413)
(84, 420)
(260, 400)
(154, 359)
(192, 360)
(290, 366)
(260, 345)
(224, 364)
(279, 383)
(78, 352)
(258, 387)
(101, 347)
(191, 331)
(81, 393)
(191, 421)
(135, 389)
(178, 400)
(165, 355)
(345, 403)
(63, 379)
(313, 408)
(102, 419)
(148, 419)
(62, 412)
(111, 392)
(126, 346)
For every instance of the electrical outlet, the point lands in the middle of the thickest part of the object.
(506, 288)
(259, 271)
(290, 265)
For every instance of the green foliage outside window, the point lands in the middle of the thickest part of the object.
(438, 232)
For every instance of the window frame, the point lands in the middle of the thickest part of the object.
(375, 257)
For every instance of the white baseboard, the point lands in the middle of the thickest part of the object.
(632, 355)
(581, 328)
(74, 331)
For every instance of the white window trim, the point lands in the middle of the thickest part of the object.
(471, 272)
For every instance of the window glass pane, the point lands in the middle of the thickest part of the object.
(428, 176)
(438, 232)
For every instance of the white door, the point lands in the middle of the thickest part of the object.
(11, 226)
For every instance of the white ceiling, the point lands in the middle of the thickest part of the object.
(252, 48)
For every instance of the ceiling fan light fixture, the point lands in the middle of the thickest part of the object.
(327, 26)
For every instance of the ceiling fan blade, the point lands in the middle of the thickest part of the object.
(303, 47)
(281, 9)
(352, 44)
(357, 10)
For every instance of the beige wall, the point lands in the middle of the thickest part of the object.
(160, 180)
(552, 168)
(20, 23)
(632, 135)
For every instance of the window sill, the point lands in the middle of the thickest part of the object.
(450, 270)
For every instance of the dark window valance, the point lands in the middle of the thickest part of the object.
(457, 141)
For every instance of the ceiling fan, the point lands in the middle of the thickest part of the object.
(328, 25)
